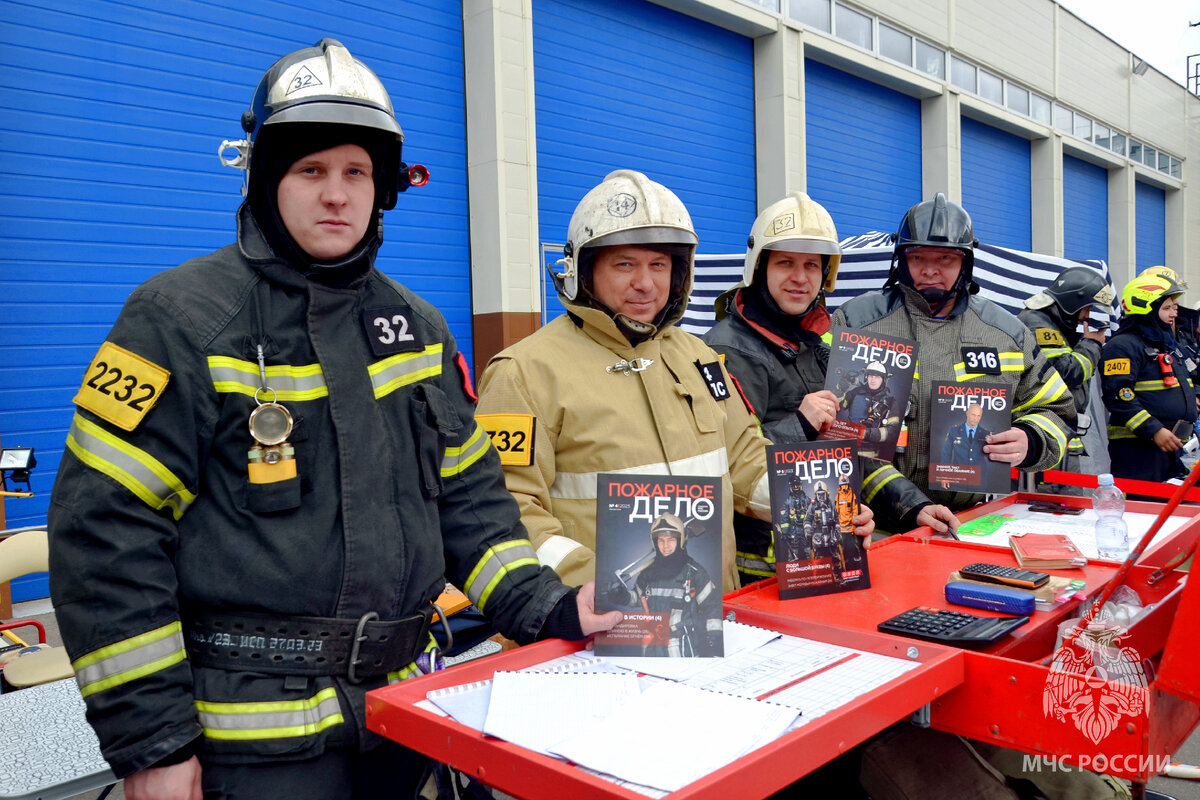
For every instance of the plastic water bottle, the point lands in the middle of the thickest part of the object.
(1112, 535)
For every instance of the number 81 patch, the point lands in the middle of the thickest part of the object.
(120, 386)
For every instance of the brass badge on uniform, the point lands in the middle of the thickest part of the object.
(512, 436)
(120, 386)
(1117, 366)
(1125, 394)
(1049, 336)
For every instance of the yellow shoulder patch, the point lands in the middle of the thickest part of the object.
(512, 436)
(1049, 336)
(121, 387)
(1117, 366)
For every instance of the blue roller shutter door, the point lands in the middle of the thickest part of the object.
(112, 176)
(1151, 211)
(863, 149)
(630, 84)
(1085, 210)
(996, 180)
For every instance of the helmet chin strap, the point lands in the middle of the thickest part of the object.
(935, 297)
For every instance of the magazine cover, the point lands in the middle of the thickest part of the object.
(871, 376)
(658, 560)
(815, 489)
(961, 417)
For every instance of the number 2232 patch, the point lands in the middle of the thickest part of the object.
(512, 436)
(120, 386)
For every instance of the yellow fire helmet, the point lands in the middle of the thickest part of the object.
(1141, 293)
(1166, 272)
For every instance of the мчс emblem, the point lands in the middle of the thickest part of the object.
(622, 204)
(1094, 683)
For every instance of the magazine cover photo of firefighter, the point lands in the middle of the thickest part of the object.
(815, 489)
(871, 376)
(658, 544)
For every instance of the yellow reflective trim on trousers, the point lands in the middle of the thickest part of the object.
(1137, 419)
(753, 564)
(135, 469)
(281, 719)
(457, 459)
(881, 477)
(496, 563)
(1051, 390)
(129, 659)
(289, 383)
(1044, 422)
(1120, 432)
(404, 369)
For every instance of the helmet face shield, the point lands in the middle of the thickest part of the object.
(935, 223)
(1077, 288)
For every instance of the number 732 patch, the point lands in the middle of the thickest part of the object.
(512, 436)
(120, 386)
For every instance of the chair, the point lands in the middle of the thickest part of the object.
(25, 553)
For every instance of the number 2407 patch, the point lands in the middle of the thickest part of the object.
(120, 386)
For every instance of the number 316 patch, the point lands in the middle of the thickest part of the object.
(120, 386)
(981, 360)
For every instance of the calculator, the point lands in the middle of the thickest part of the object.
(951, 627)
(1007, 576)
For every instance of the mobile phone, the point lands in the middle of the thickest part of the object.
(1183, 430)
(1048, 507)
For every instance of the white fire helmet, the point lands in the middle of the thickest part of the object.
(668, 525)
(625, 208)
(797, 224)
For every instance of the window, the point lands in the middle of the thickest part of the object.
(813, 13)
(962, 74)
(853, 27)
(1164, 162)
(1040, 109)
(1135, 150)
(1117, 143)
(1063, 119)
(1175, 168)
(769, 5)
(931, 60)
(1149, 156)
(991, 87)
(1018, 99)
(1101, 136)
(1083, 127)
(895, 45)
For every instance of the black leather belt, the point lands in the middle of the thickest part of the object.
(366, 647)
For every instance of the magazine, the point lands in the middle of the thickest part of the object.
(658, 560)
(962, 415)
(871, 376)
(815, 489)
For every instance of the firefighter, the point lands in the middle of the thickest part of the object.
(773, 331)
(675, 584)
(1054, 315)
(288, 467)
(930, 296)
(1147, 389)
(871, 404)
(614, 386)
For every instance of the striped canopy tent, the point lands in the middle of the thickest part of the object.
(1004, 276)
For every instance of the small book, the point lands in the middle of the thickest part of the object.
(962, 416)
(815, 489)
(659, 562)
(871, 374)
(1046, 551)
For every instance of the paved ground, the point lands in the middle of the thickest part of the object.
(1189, 753)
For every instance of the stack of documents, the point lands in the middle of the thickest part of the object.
(663, 723)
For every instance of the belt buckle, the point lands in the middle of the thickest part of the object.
(359, 638)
